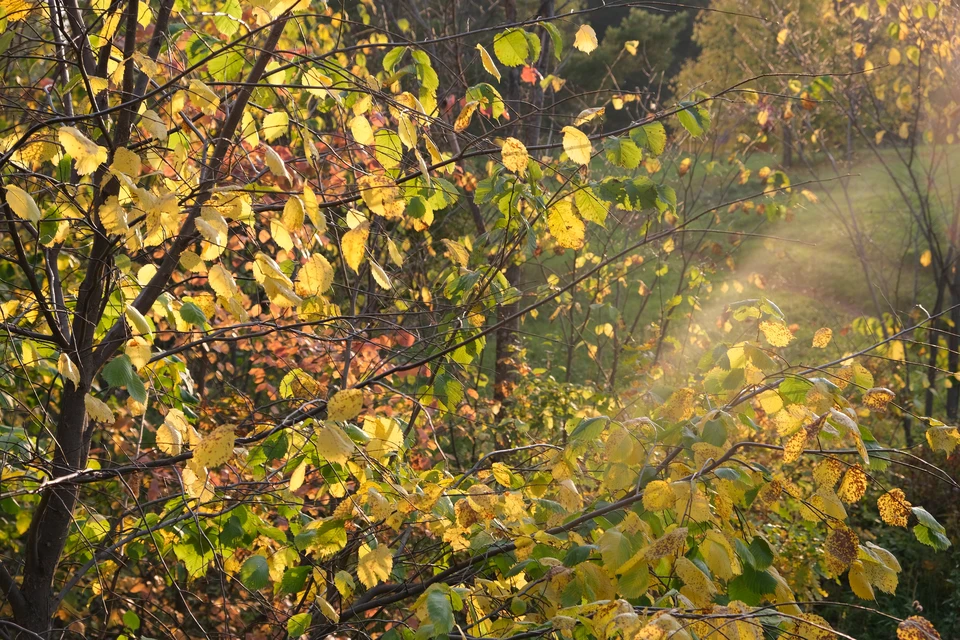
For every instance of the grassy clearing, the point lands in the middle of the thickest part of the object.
(808, 265)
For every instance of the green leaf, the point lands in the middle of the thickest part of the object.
(931, 538)
(634, 583)
(555, 36)
(578, 554)
(293, 579)
(929, 531)
(751, 586)
(615, 549)
(393, 56)
(623, 152)
(587, 428)
(227, 18)
(325, 538)
(533, 44)
(255, 573)
(762, 554)
(193, 314)
(927, 520)
(299, 624)
(512, 47)
(794, 389)
(652, 136)
(439, 611)
(590, 206)
(694, 118)
(131, 620)
(120, 373)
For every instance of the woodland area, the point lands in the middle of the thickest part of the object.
(475, 319)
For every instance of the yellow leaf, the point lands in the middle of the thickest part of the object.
(312, 208)
(327, 610)
(353, 243)
(266, 268)
(782, 35)
(293, 214)
(853, 485)
(577, 145)
(361, 130)
(943, 438)
(916, 628)
(587, 115)
(153, 124)
(87, 155)
(631, 46)
(22, 204)
(275, 163)
(466, 114)
(315, 277)
(385, 436)
(859, 583)
(565, 227)
(514, 155)
(894, 508)
(204, 97)
(275, 125)
(822, 338)
(382, 196)
(904, 131)
(68, 369)
(281, 235)
(169, 439)
(298, 476)
(97, 410)
(893, 58)
(776, 333)
(458, 252)
(658, 495)
(333, 444)
(137, 320)
(345, 405)
(925, 258)
(126, 162)
(841, 545)
(395, 256)
(248, 130)
(215, 448)
(222, 282)
(488, 62)
(139, 352)
(795, 446)
(697, 586)
(379, 275)
(878, 398)
(859, 49)
(374, 565)
(895, 351)
(586, 39)
(407, 131)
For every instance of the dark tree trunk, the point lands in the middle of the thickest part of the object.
(51, 523)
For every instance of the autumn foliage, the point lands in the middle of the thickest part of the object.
(261, 265)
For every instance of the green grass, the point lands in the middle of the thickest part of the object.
(808, 265)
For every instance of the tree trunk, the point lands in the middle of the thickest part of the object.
(50, 526)
(787, 160)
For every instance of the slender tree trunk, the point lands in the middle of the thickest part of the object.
(51, 523)
(787, 160)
